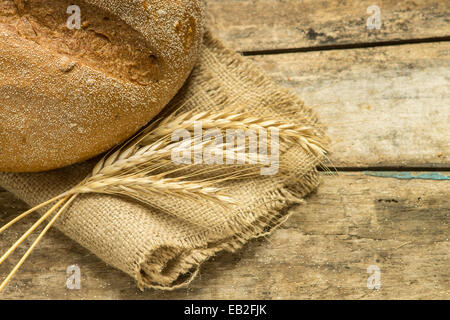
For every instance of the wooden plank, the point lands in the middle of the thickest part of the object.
(385, 106)
(249, 25)
(323, 251)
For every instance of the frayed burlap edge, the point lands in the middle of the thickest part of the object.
(188, 263)
(165, 261)
(270, 216)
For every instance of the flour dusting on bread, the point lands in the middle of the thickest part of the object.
(68, 95)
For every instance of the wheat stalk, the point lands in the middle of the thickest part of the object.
(67, 201)
(142, 168)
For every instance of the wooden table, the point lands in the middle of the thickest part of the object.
(385, 97)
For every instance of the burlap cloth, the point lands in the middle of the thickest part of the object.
(165, 251)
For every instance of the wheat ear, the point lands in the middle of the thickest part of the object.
(305, 135)
(139, 168)
(156, 184)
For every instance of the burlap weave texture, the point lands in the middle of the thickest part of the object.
(164, 251)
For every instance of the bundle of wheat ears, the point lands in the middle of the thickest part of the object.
(142, 168)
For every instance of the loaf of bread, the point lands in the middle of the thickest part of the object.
(68, 94)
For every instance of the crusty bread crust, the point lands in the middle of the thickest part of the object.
(68, 95)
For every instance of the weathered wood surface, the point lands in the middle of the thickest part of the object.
(323, 251)
(255, 25)
(385, 106)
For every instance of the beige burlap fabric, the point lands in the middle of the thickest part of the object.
(165, 251)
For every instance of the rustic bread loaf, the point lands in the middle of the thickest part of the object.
(67, 95)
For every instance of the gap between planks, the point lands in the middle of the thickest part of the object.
(348, 46)
(390, 168)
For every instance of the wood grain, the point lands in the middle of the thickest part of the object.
(249, 25)
(385, 106)
(323, 251)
